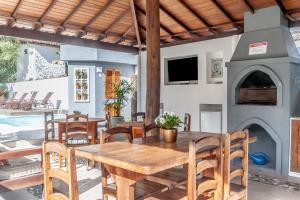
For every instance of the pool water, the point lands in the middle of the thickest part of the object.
(19, 121)
(22, 127)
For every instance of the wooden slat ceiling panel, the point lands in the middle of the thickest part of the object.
(176, 9)
(237, 8)
(111, 20)
(208, 11)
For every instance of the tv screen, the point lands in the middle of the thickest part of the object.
(183, 70)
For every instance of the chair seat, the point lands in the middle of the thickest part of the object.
(237, 191)
(142, 190)
(170, 177)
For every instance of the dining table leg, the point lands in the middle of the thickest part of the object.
(125, 181)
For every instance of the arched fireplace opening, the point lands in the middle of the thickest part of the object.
(257, 88)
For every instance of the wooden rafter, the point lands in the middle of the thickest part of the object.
(122, 38)
(199, 17)
(70, 16)
(162, 26)
(250, 7)
(12, 20)
(116, 21)
(39, 24)
(57, 38)
(135, 23)
(95, 17)
(225, 13)
(178, 21)
(283, 9)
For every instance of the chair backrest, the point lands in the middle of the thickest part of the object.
(77, 126)
(49, 125)
(213, 185)
(33, 96)
(110, 134)
(108, 121)
(68, 176)
(134, 116)
(147, 128)
(187, 122)
(47, 97)
(230, 154)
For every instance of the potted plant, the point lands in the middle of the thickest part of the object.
(78, 74)
(85, 96)
(114, 106)
(168, 123)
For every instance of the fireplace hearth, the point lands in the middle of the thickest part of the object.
(263, 87)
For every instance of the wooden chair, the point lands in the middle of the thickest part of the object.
(204, 187)
(234, 191)
(49, 126)
(187, 122)
(68, 176)
(170, 177)
(134, 116)
(143, 188)
(77, 131)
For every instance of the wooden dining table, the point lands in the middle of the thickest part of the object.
(131, 162)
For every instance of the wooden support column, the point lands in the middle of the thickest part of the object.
(153, 59)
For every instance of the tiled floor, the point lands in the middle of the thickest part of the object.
(90, 188)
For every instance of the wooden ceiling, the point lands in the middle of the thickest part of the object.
(123, 22)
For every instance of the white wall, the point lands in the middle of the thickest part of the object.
(57, 85)
(187, 98)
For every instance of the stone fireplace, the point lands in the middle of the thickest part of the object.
(263, 85)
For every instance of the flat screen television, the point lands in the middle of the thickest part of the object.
(181, 70)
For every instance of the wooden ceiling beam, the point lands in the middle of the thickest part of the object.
(225, 13)
(116, 21)
(161, 38)
(283, 9)
(64, 23)
(219, 35)
(250, 7)
(62, 39)
(199, 17)
(95, 17)
(178, 21)
(122, 38)
(162, 26)
(40, 21)
(12, 20)
(135, 23)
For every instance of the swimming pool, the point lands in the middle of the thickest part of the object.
(16, 124)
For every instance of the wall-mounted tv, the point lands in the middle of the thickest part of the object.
(182, 70)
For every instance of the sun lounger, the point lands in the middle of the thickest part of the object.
(28, 104)
(45, 103)
(14, 104)
(4, 100)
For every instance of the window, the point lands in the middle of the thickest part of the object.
(112, 77)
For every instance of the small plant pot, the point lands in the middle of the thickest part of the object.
(169, 135)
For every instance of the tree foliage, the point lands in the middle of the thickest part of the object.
(9, 52)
